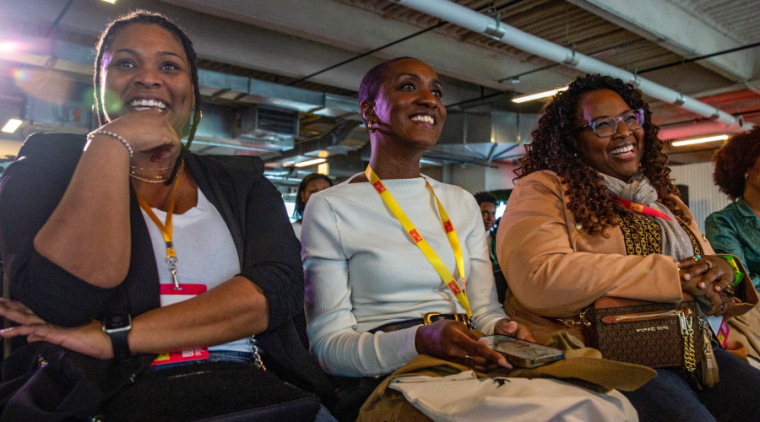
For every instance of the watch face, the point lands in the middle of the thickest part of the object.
(118, 321)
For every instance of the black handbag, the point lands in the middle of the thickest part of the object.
(227, 391)
(45, 382)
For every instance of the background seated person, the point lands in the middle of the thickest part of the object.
(735, 230)
(310, 185)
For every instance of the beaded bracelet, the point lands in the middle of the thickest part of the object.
(738, 274)
(113, 135)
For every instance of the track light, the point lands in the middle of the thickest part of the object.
(12, 125)
(308, 163)
(544, 94)
(700, 140)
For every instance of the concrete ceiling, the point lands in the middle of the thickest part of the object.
(284, 41)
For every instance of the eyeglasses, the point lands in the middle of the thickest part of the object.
(608, 126)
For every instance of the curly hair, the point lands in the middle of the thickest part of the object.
(485, 197)
(146, 18)
(734, 159)
(555, 147)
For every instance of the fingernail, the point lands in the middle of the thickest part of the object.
(503, 362)
(687, 277)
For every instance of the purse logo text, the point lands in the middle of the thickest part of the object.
(657, 328)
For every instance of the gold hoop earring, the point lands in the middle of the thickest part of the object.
(371, 127)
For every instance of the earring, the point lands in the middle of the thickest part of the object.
(371, 126)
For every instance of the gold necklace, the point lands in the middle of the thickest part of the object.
(154, 179)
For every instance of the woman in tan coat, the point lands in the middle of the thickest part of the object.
(575, 230)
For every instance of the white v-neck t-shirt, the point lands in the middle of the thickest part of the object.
(206, 253)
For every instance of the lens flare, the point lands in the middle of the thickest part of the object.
(21, 74)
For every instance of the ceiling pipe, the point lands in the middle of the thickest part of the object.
(489, 26)
(668, 133)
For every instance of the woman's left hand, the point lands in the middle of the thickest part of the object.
(721, 302)
(511, 328)
(88, 339)
(713, 269)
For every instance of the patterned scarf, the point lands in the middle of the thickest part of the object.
(675, 241)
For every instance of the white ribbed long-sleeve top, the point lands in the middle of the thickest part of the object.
(363, 270)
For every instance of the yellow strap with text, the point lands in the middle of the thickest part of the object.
(427, 250)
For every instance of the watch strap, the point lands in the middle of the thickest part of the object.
(120, 344)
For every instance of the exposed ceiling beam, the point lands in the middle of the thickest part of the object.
(676, 29)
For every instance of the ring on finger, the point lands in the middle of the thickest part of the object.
(469, 361)
(728, 290)
(696, 257)
(709, 265)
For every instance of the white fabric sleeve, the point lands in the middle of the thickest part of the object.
(339, 348)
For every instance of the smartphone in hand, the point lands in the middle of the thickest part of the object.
(522, 353)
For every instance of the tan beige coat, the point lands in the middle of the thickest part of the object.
(555, 270)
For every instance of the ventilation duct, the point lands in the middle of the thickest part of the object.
(476, 22)
(487, 136)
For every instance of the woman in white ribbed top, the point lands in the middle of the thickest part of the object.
(362, 268)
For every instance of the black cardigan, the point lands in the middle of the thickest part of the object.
(250, 205)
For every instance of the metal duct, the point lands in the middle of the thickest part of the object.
(486, 136)
(474, 21)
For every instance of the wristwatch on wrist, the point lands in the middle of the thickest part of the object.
(117, 327)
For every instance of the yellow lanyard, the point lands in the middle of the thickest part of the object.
(427, 250)
(166, 229)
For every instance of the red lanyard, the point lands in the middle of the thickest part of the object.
(641, 209)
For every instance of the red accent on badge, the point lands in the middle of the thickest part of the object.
(379, 187)
(185, 289)
(723, 333)
(454, 287)
(448, 226)
(415, 236)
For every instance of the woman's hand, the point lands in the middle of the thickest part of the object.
(147, 132)
(453, 341)
(710, 271)
(88, 339)
(721, 302)
(511, 328)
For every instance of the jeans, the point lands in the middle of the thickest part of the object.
(669, 398)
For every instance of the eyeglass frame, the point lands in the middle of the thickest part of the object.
(637, 112)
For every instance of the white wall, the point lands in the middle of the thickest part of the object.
(704, 196)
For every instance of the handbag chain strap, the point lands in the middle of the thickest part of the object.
(687, 331)
(257, 362)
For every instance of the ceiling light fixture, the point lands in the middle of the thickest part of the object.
(308, 163)
(110, 1)
(544, 94)
(12, 125)
(700, 140)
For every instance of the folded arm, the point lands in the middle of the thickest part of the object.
(538, 249)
